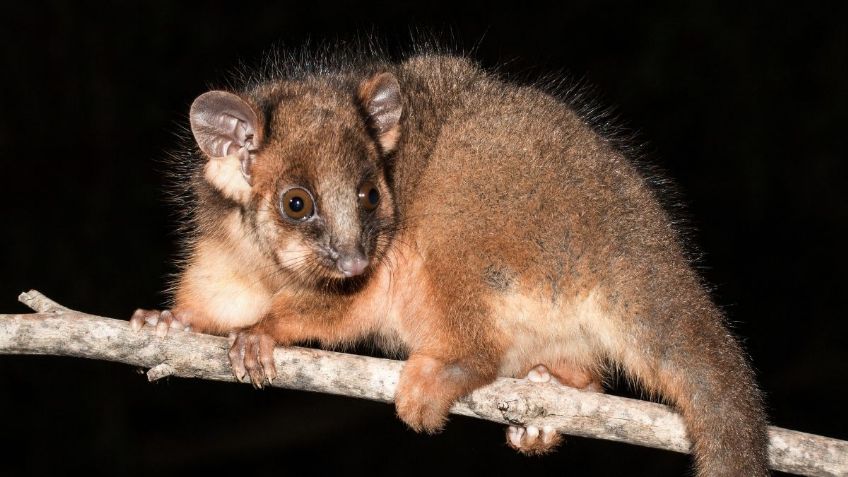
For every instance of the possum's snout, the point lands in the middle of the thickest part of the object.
(352, 263)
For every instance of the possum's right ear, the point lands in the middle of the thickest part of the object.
(227, 130)
(381, 99)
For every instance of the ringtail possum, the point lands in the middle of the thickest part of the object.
(480, 227)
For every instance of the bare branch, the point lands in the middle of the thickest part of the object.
(57, 330)
(40, 303)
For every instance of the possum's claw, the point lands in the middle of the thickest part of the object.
(532, 440)
(252, 354)
(162, 320)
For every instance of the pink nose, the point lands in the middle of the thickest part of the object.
(353, 264)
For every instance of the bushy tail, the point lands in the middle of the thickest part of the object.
(687, 356)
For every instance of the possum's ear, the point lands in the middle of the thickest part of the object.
(380, 98)
(227, 130)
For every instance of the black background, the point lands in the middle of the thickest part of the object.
(744, 106)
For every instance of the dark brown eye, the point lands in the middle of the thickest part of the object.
(297, 204)
(369, 196)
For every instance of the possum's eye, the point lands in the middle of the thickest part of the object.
(369, 196)
(297, 204)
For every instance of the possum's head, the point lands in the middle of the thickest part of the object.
(303, 161)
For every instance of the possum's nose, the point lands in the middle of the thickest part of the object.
(352, 263)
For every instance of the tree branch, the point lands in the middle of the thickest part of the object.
(57, 330)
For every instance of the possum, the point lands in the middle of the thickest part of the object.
(480, 227)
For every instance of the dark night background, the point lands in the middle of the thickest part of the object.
(744, 106)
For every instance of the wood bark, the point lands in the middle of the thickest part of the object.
(56, 330)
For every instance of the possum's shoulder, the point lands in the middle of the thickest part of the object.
(434, 63)
(439, 68)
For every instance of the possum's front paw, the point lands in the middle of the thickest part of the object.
(532, 440)
(164, 321)
(424, 395)
(252, 354)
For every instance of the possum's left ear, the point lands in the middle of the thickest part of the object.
(380, 98)
(227, 130)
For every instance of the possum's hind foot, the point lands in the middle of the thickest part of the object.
(532, 440)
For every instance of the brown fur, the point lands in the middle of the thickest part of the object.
(508, 234)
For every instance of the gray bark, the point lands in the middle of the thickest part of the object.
(56, 330)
